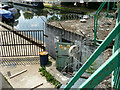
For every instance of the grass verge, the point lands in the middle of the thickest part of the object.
(49, 77)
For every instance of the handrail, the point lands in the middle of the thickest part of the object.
(115, 33)
(103, 71)
(116, 74)
(93, 57)
(96, 19)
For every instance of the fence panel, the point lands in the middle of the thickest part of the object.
(21, 43)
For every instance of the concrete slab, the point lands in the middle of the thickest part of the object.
(29, 79)
(2, 29)
(3, 83)
(54, 72)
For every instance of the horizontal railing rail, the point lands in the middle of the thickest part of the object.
(93, 57)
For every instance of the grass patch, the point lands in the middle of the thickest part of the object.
(66, 9)
(49, 63)
(49, 77)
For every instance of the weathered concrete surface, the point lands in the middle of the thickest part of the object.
(54, 72)
(2, 29)
(4, 84)
(105, 25)
(29, 79)
(21, 60)
(85, 44)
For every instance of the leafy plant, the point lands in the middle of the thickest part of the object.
(49, 62)
(91, 69)
(41, 69)
(49, 77)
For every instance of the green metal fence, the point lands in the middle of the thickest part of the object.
(106, 69)
(96, 16)
(116, 73)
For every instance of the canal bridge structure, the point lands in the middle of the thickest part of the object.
(110, 66)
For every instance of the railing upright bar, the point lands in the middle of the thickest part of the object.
(103, 71)
(96, 53)
(96, 21)
(108, 5)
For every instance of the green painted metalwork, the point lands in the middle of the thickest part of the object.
(96, 19)
(114, 4)
(111, 64)
(108, 5)
(96, 16)
(62, 55)
(93, 57)
(116, 73)
(102, 72)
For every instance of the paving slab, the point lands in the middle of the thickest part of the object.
(28, 79)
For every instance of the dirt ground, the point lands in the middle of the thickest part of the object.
(105, 25)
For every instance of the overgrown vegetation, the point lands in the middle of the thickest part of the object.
(49, 62)
(49, 77)
(91, 69)
(67, 9)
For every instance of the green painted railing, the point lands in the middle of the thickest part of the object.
(93, 57)
(103, 71)
(108, 5)
(114, 3)
(96, 16)
(116, 73)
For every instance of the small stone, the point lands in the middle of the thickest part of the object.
(101, 29)
(72, 25)
(85, 17)
(82, 20)
(88, 35)
(77, 24)
(83, 32)
(107, 29)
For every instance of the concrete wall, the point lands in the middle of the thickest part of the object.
(84, 44)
